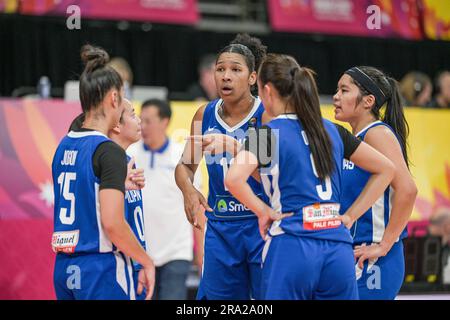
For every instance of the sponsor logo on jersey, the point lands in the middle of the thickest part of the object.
(222, 206)
(252, 122)
(65, 241)
(321, 216)
(231, 206)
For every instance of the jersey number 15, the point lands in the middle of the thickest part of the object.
(64, 190)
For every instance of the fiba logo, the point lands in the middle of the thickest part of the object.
(222, 206)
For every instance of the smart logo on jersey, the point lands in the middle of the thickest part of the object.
(222, 206)
(231, 206)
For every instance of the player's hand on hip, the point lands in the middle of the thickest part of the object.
(347, 221)
(371, 252)
(266, 219)
(264, 223)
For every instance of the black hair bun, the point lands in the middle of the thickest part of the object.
(254, 44)
(93, 57)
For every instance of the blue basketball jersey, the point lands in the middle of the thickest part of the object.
(369, 228)
(77, 224)
(225, 205)
(293, 186)
(134, 212)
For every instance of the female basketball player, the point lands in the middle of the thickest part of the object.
(232, 247)
(361, 95)
(89, 172)
(308, 255)
(127, 132)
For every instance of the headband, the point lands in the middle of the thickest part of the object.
(246, 50)
(367, 83)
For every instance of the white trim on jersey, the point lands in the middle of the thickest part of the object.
(275, 229)
(121, 276)
(266, 249)
(132, 292)
(104, 244)
(378, 226)
(247, 118)
(204, 238)
(367, 127)
(82, 134)
(286, 116)
(358, 272)
(275, 197)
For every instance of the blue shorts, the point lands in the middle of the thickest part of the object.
(94, 276)
(382, 278)
(301, 268)
(231, 261)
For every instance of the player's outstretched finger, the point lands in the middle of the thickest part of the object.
(205, 204)
(262, 232)
(361, 261)
(139, 288)
(150, 288)
(282, 216)
(189, 218)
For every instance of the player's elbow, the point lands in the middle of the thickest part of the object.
(111, 227)
(410, 190)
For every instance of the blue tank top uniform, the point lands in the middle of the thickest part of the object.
(369, 229)
(88, 265)
(135, 216)
(233, 246)
(308, 255)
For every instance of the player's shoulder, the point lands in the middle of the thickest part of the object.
(205, 108)
(380, 131)
(109, 148)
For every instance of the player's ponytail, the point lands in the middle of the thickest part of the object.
(297, 85)
(97, 78)
(394, 116)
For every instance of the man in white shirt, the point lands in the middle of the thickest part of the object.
(168, 234)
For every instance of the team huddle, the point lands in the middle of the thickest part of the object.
(298, 207)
